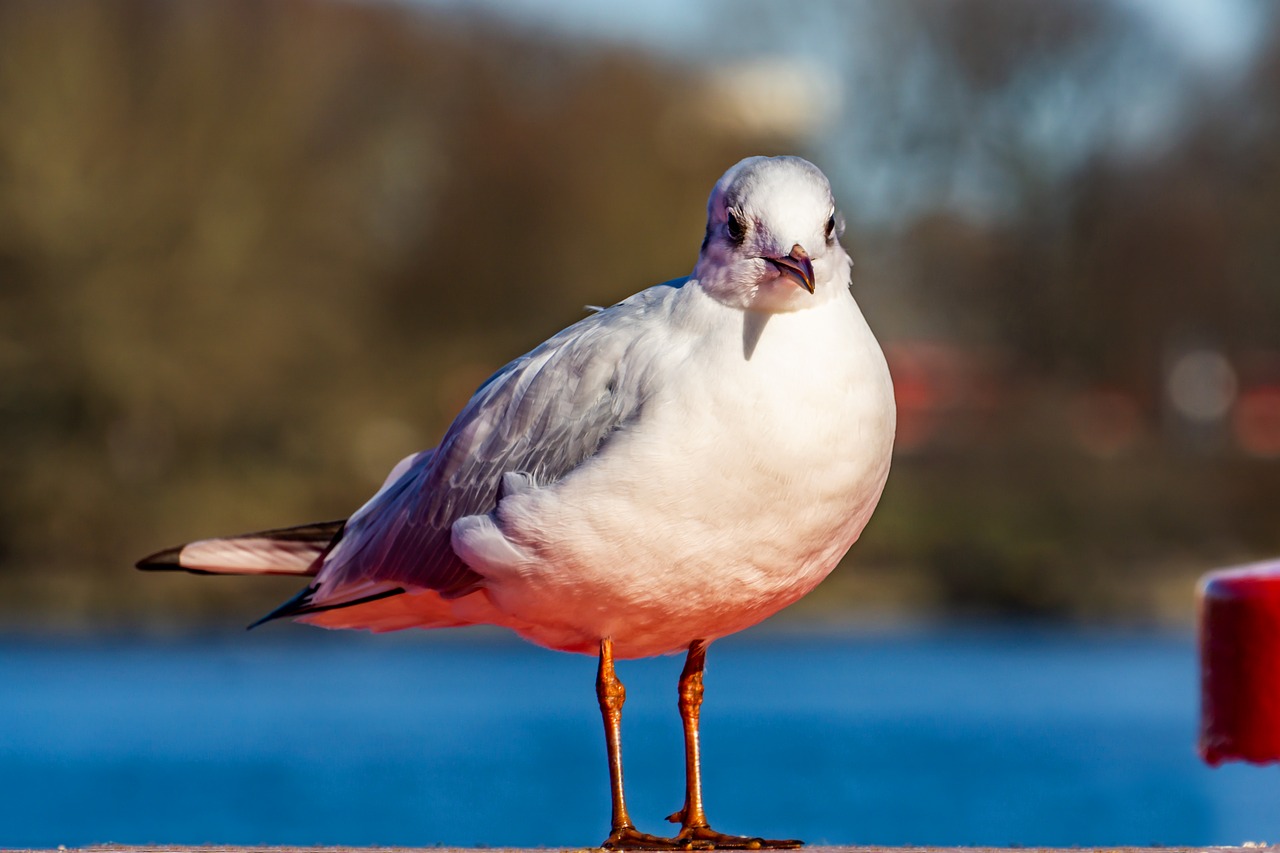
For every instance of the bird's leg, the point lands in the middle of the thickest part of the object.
(690, 704)
(609, 690)
(694, 831)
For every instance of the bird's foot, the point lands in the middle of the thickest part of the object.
(630, 838)
(704, 837)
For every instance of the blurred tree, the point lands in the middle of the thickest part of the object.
(1051, 208)
(253, 253)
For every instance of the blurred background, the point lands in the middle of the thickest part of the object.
(253, 253)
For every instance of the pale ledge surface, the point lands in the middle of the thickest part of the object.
(218, 848)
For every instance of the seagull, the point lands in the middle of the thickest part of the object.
(664, 472)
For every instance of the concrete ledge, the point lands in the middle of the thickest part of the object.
(215, 848)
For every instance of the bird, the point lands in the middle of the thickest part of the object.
(662, 473)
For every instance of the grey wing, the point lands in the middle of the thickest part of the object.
(540, 417)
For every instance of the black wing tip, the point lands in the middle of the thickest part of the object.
(294, 606)
(169, 560)
(318, 531)
(162, 561)
(300, 605)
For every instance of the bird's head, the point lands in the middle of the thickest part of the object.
(773, 235)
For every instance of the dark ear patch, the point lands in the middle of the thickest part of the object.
(735, 226)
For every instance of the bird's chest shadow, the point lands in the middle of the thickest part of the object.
(753, 323)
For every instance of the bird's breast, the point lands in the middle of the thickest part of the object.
(798, 433)
(742, 486)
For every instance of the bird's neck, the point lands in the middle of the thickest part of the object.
(747, 290)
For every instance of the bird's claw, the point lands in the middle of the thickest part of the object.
(693, 838)
(630, 838)
(706, 838)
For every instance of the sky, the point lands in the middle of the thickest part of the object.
(1129, 98)
(1216, 34)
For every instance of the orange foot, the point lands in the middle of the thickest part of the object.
(703, 837)
(706, 838)
(630, 838)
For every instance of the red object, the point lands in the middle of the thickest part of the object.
(1240, 664)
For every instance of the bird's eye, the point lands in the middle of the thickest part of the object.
(831, 227)
(737, 230)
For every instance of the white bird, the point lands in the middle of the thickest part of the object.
(662, 473)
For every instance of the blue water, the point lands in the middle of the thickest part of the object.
(931, 736)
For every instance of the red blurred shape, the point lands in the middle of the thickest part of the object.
(940, 389)
(1240, 664)
(1257, 421)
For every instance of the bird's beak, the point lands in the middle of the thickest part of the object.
(796, 265)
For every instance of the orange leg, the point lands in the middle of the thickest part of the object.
(694, 831)
(609, 690)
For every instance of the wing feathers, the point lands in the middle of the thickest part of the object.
(286, 551)
(539, 417)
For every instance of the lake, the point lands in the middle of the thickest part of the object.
(920, 735)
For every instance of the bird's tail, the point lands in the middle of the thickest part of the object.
(287, 551)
